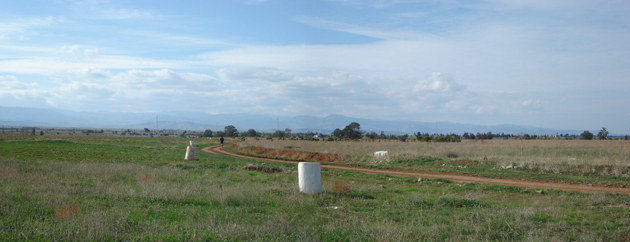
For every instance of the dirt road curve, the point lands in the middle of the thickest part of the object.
(507, 182)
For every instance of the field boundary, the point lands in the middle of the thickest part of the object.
(216, 149)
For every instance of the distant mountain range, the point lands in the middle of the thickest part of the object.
(41, 117)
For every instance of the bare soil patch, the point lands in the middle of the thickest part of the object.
(292, 154)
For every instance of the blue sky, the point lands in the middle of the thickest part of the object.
(559, 64)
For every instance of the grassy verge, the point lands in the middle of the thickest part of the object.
(146, 197)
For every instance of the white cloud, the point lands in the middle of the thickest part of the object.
(244, 75)
(16, 93)
(163, 80)
(68, 59)
(91, 53)
(180, 40)
(362, 30)
(78, 51)
(10, 83)
(438, 83)
(142, 89)
(268, 91)
(531, 104)
(91, 73)
(344, 93)
(8, 78)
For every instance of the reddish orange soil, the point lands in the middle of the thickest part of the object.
(457, 178)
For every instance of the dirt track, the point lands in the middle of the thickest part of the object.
(506, 182)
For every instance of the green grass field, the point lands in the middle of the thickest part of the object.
(140, 189)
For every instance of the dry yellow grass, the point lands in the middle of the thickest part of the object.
(141, 177)
(340, 188)
(67, 211)
(558, 155)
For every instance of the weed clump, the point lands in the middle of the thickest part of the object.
(451, 154)
(67, 211)
(141, 177)
(340, 188)
(181, 165)
(252, 167)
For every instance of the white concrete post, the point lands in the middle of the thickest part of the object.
(309, 177)
(190, 153)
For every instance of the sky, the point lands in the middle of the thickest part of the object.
(561, 64)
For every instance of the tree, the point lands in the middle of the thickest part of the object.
(278, 134)
(603, 134)
(230, 131)
(251, 133)
(147, 130)
(586, 135)
(207, 133)
(337, 133)
(41, 132)
(352, 131)
(403, 138)
(219, 134)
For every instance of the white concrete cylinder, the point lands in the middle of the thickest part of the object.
(309, 177)
(190, 153)
(192, 143)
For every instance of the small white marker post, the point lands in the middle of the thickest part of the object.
(190, 151)
(309, 177)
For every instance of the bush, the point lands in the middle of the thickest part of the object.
(403, 138)
(586, 135)
(452, 154)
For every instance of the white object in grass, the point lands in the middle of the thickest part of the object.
(190, 153)
(309, 177)
(380, 153)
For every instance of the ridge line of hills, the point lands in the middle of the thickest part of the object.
(42, 117)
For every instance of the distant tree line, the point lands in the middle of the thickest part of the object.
(353, 131)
